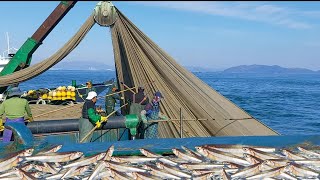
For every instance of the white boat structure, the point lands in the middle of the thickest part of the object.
(7, 54)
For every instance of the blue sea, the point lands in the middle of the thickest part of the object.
(287, 103)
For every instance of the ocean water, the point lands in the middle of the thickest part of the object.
(287, 103)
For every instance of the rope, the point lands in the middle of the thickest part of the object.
(39, 68)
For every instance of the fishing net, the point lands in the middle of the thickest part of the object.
(139, 60)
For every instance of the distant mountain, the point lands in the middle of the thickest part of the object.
(82, 65)
(201, 69)
(275, 69)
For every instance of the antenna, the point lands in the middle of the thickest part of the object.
(8, 43)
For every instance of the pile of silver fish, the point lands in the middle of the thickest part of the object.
(211, 161)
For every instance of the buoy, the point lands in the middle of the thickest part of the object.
(73, 94)
(54, 93)
(58, 93)
(69, 93)
(63, 93)
(44, 96)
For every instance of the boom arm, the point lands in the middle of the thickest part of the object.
(22, 58)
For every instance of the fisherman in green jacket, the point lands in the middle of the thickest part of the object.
(89, 117)
(15, 109)
(110, 100)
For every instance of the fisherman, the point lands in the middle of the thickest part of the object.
(15, 109)
(111, 99)
(138, 103)
(152, 112)
(89, 117)
(88, 89)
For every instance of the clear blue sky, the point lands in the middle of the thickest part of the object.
(208, 34)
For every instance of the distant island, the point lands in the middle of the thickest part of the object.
(264, 69)
(82, 65)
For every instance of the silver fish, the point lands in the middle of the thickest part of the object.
(160, 158)
(268, 173)
(122, 167)
(109, 153)
(309, 152)
(74, 171)
(252, 159)
(302, 171)
(144, 176)
(51, 149)
(260, 154)
(173, 170)
(149, 153)
(55, 157)
(86, 160)
(290, 155)
(205, 176)
(42, 168)
(119, 175)
(308, 161)
(236, 149)
(13, 159)
(233, 165)
(132, 159)
(192, 152)
(222, 156)
(248, 171)
(24, 175)
(276, 162)
(185, 156)
(27, 167)
(215, 171)
(13, 171)
(159, 172)
(101, 165)
(225, 175)
(191, 166)
(286, 176)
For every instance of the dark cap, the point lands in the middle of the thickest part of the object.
(158, 94)
(15, 91)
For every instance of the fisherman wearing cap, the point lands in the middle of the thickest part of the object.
(110, 100)
(89, 117)
(15, 109)
(152, 112)
(139, 101)
(89, 88)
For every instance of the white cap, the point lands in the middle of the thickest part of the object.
(91, 95)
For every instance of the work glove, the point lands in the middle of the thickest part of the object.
(162, 116)
(1, 125)
(98, 124)
(30, 119)
(104, 119)
(121, 97)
